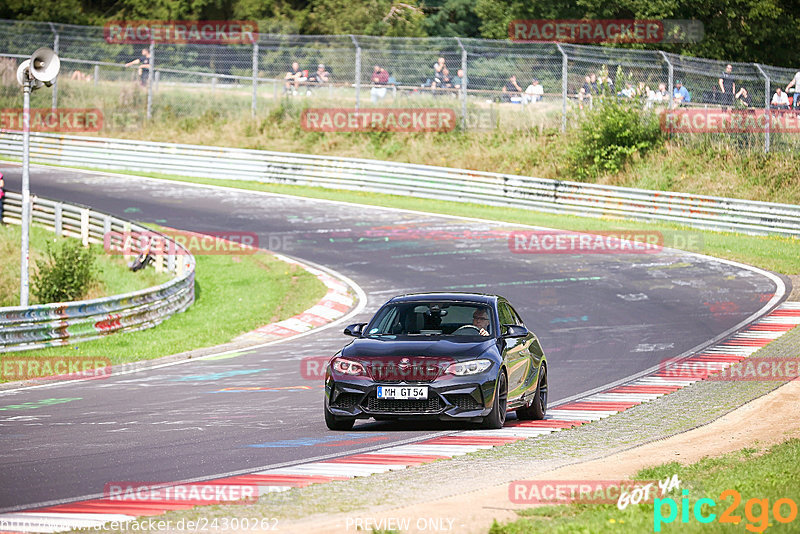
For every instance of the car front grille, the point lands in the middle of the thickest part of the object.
(431, 405)
(346, 400)
(465, 401)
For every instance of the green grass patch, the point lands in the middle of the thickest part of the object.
(776, 253)
(114, 276)
(770, 475)
(233, 295)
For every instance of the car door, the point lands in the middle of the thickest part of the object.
(534, 353)
(516, 353)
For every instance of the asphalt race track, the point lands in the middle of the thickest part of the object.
(600, 318)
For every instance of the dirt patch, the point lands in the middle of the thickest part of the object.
(795, 294)
(770, 421)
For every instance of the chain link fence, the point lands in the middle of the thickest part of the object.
(515, 85)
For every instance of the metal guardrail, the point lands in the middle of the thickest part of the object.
(63, 323)
(441, 183)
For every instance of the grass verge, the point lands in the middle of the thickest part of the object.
(233, 295)
(114, 276)
(776, 253)
(768, 475)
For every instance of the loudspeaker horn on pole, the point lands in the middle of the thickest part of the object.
(45, 65)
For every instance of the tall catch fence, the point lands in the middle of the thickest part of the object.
(193, 83)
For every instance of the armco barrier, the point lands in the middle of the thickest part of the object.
(47, 325)
(424, 181)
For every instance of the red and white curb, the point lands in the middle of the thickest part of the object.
(335, 304)
(96, 512)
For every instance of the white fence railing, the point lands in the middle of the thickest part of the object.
(441, 183)
(47, 325)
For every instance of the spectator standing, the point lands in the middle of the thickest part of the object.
(438, 69)
(380, 78)
(780, 100)
(144, 66)
(511, 89)
(534, 92)
(680, 95)
(796, 84)
(727, 86)
(294, 77)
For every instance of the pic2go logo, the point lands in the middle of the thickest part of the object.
(757, 521)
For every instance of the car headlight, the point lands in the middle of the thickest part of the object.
(348, 367)
(471, 367)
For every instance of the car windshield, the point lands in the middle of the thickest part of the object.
(431, 319)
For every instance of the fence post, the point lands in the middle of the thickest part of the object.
(670, 76)
(96, 74)
(85, 226)
(55, 82)
(358, 71)
(150, 80)
(255, 80)
(564, 72)
(58, 222)
(766, 107)
(463, 89)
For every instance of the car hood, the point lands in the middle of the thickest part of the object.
(427, 348)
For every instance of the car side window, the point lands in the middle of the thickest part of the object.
(506, 316)
(517, 318)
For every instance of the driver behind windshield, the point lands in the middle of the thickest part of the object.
(480, 320)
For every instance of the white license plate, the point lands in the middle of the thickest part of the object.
(403, 392)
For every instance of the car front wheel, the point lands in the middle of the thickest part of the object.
(538, 406)
(337, 423)
(497, 417)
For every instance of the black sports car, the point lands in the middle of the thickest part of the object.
(446, 356)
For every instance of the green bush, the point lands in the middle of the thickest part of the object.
(65, 274)
(612, 132)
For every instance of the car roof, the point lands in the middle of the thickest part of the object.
(456, 297)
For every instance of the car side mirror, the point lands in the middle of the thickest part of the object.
(354, 330)
(515, 330)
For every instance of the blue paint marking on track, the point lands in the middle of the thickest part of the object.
(217, 376)
(309, 442)
(569, 319)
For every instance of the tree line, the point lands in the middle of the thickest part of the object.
(764, 31)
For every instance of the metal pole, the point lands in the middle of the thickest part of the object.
(463, 94)
(358, 72)
(55, 82)
(564, 73)
(150, 81)
(255, 80)
(96, 74)
(766, 107)
(26, 192)
(670, 77)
